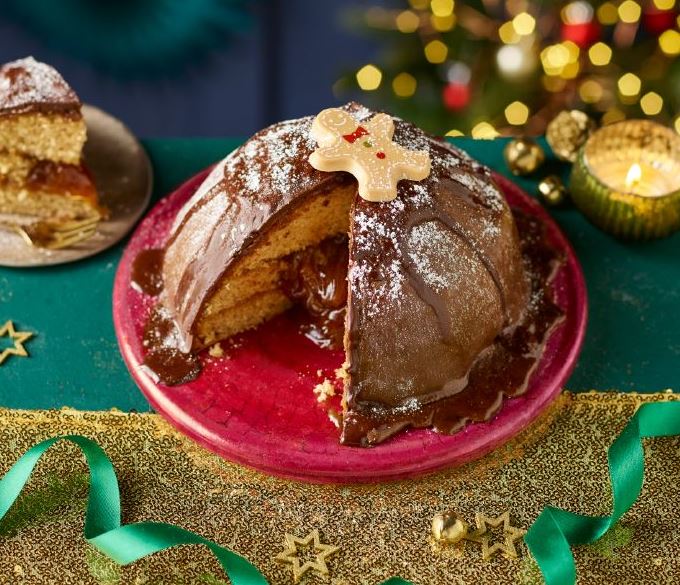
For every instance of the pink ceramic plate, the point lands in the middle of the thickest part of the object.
(255, 405)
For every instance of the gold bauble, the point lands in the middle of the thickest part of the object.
(567, 132)
(448, 528)
(552, 191)
(523, 156)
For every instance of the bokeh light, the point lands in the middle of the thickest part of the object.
(629, 85)
(442, 7)
(436, 51)
(651, 103)
(590, 91)
(629, 11)
(404, 85)
(524, 24)
(517, 113)
(669, 42)
(484, 131)
(408, 21)
(369, 77)
(600, 54)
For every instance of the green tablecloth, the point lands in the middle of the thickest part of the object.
(632, 342)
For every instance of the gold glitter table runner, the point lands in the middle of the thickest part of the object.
(379, 531)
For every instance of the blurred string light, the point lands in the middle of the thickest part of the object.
(508, 34)
(590, 91)
(407, 21)
(608, 14)
(669, 42)
(458, 72)
(561, 60)
(629, 85)
(524, 24)
(664, 4)
(517, 113)
(404, 85)
(516, 61)
(651, 103)
(677, 124)
(629, 11)
(442, 8)
(577, 61)
(484, 131)
(436, 51)
(600, 54)
(369, 77)
(577, 13)
(443, 23)
(613, 115)
(455, 132)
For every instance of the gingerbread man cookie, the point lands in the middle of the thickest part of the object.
(366, 150)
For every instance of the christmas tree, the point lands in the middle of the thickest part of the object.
(509, 66)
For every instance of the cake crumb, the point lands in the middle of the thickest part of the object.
(341, 373)
(335, 417)
(216, 351)
(324, 390)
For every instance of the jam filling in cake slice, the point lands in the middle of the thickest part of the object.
(42, 134)
(441, 303)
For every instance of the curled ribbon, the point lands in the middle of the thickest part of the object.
(548, 539)
(552, 533)
(129, 543)
(123, 544)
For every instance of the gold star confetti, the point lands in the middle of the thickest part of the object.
(290, 554)
(482, 535)
(19, 337)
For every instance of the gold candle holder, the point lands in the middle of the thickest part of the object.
(626, 179)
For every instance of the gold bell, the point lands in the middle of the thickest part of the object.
(552, 191)
(448, 528)
(523, 156)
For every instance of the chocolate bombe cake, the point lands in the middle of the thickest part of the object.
(439, 304)
(42, 134)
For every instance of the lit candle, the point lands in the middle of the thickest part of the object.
(626, 179)
(633, 177)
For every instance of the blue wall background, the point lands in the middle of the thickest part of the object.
(282, 67)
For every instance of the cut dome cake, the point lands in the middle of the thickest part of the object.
(42, 134)
(437, 299)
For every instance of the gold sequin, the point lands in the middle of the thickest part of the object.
(383, 530)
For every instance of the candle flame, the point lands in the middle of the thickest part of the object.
(634, 175)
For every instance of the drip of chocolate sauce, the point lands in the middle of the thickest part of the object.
(316, 282)
(502, 370)
(163, 359)
(147, 271)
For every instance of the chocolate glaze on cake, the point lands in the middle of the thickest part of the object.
(439, 296)
(27, 85)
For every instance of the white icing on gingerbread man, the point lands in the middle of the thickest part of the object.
(366, 150)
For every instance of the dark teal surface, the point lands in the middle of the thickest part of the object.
(632, 343)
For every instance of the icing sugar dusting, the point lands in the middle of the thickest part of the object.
(27, 82)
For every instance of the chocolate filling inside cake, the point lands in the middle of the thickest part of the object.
(441, 303)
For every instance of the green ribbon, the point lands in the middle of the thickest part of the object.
(548, 539)
(123, 544)
(550, 536)
(131, 542)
